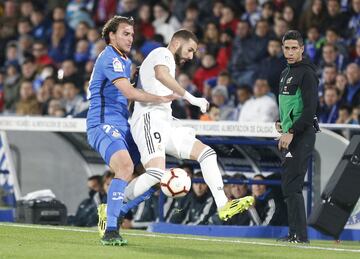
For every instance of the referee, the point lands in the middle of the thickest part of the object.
(297, 105)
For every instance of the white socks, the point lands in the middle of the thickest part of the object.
(212, 176)
(143, 183)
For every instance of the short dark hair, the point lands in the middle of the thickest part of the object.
(113, 24)
(186, 35)
(293, 35)
(96, 177)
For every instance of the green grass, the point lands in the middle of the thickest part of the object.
(24, 241)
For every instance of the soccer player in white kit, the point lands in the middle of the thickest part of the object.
(153, 132)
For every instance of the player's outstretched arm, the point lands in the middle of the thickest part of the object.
(134, 94)
(162, 74)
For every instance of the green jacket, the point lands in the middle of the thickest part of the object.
(298, 96)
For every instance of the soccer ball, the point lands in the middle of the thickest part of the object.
(175, 183)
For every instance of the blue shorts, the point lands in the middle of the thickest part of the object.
(108, 139)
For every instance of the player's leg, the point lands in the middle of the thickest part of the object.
(207, 159)
(184, 145)
(110, 142)
(149, 133)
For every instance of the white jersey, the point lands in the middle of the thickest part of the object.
(148, 82)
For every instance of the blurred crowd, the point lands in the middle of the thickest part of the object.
(48, 50)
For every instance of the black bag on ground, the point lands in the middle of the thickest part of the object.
(45, 212)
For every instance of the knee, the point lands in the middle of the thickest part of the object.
(124, 171)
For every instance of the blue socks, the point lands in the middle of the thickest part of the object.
(133, 203)
(115, 201)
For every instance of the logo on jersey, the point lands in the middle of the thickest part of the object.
(288, 81)
(117, 65)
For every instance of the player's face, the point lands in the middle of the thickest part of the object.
(123, 38)
(293, 51)
(185, 52)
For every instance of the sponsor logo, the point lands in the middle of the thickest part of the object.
(117, 196)
(117, 65)
(288, 81)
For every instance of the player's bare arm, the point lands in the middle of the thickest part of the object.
(162, 74)
(134, 94)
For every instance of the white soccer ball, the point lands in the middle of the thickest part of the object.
(175, 183)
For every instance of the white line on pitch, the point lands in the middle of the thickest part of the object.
(187, 238)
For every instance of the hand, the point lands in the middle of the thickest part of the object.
(202, 103)
(278, 127)
(285, 140)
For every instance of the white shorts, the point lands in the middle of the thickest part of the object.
(155, 136)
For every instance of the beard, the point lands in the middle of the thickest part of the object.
(178, 59)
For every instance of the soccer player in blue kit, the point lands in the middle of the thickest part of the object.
(108, 130)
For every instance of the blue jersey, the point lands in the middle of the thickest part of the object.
(107, 104)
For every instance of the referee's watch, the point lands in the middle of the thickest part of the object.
(291, 131)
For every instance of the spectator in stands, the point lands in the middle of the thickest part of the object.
(314, 44)
(211, 38)
(340, 84)
(24, 45)
(270, 68)
(11, 54)
(127, 8)
(82, 54)
(11, 88)
(330, 55)
(24, 26)
(208, 69)
(81, 30)
(280, 27)
(223, 79)
(328, 78)
(27, 105)
(40, 25)
(165, 23)
(355, 115)
(26, 8)
(8, 22)
(330, 109)
(86, 214)
(43, 98)
(61, 45)
(198, 207)
(144, 22)
(314, 15)
(289, 16)
(242, 63)
(353, 87)
(216, 10)
(266, 210)
(243, 93)
(227, 19)
(213, 114)
(225, 50)
(40, 52)
(344, 114)
(267, 12)
(353, 25)
(261, 37)
(262, 107)
(73, 102)
(332, 37)
(70, 74)
(220, 97)
(357, 52)
(55, 108)
(252, 12)
(336, 18)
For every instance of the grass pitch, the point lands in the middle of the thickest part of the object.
(32, 241)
